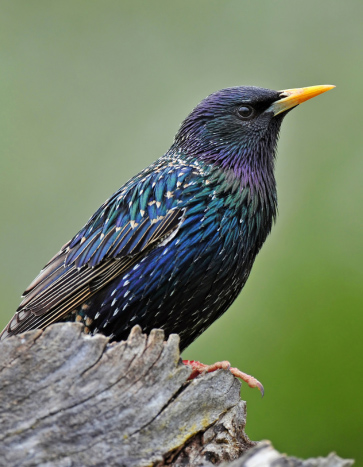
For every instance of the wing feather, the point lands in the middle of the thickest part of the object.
(122, 231)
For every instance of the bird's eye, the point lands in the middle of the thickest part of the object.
(245, 112)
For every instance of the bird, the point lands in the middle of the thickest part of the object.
(174, 246)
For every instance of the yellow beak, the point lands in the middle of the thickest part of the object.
(293, 97)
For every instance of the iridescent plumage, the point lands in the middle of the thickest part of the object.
(174, 246)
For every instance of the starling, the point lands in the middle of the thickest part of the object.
(174, 246)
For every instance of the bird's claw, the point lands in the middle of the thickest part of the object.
(199, 368)
(250, 380)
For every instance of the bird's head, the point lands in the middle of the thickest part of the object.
(237, 128)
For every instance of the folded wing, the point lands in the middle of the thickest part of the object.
(136, 219)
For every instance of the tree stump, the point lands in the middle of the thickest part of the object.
(68, 399)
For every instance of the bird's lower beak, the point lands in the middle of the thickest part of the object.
(292, 97)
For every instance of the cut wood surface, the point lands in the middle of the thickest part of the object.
(68, 399)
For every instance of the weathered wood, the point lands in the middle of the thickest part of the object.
(68, 399)
(264, 455)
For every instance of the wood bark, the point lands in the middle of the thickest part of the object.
(68, 399)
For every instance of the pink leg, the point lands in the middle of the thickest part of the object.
(200, 368)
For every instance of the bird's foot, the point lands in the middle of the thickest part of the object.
(200, 368)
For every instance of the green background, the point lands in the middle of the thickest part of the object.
(91, 92)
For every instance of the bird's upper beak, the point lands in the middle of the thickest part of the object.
(290, 98)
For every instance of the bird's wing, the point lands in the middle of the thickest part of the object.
(137, 218)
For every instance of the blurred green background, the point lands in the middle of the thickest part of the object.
(91, 92)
